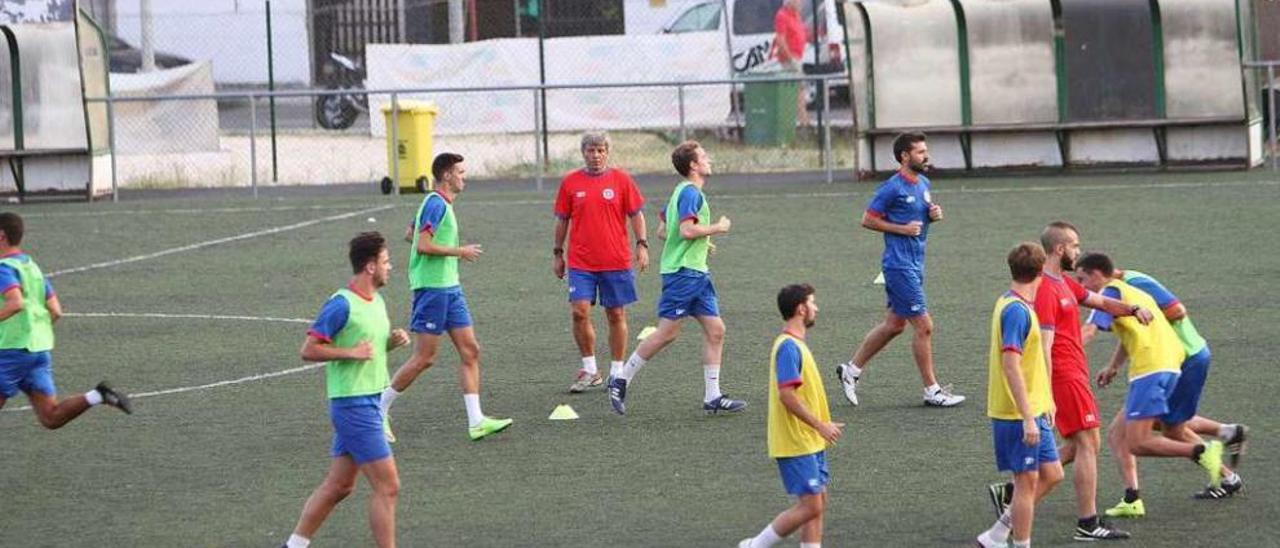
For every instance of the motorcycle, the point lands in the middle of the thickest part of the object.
(340, 110)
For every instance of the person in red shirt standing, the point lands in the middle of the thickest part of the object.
(789, 38)
(593, 208)
(1076, 415)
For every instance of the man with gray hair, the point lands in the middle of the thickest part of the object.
(593, 207)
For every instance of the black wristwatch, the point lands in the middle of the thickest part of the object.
(642, 243)
(557, 251)
(1134, 311)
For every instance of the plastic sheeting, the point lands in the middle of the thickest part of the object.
(917, 64)
(1012, 77)
(6, 97)
(1201, 59)
(52, 107)
(1110, 60)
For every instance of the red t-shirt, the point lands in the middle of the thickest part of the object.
(790, 28)
(1057, 307)
(597, 208)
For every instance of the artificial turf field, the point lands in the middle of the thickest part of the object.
(231, 464)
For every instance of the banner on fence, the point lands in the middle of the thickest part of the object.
(665, 58)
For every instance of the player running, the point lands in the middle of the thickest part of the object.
(1183, 403)
(800, 427)
(903, 210)
(1156, 355)
(593, 208)
(687, 290)
(26, 336)
(353, 334)
(439, 305)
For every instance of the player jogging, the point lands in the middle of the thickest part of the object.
(687, 290)
(353, 334)
(26, 336)
(799, 427)
(593, 207)
(903, 210)
(439, 305)
(1019, 401)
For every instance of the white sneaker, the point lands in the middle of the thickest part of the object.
(848, 381)
(745, 543)
(985, 541)
(943, 398)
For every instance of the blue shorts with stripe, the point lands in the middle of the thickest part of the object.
(357, 429)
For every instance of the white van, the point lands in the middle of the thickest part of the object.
(751, 32)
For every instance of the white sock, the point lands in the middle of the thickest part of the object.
(388, 396)
(999, 530)
(93, 397)
(1227, 431)
(633, 365)
(932, 389)
(766, 538)
(616, 367)
(297, 541)
(711, 376)
(1022, 543)
(810, 545)
(589, 365)
(853, 370)
(474, 416)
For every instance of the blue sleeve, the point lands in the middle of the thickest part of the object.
(1164, 298)
(432, 214)
(689, 203)
(788, 360)
(1100, 318)
(1015, 325)
(48, 288)
(882, 199)
(331, 320)
(9, 278)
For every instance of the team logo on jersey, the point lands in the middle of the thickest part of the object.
(928, 198)
(1029, 461)
(608, 193)
(1088, 417)
(580, 194)
(911, 199)
(1066, 302)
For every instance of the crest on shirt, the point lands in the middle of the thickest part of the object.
(911, 199)
(580, 194)
(1066, 302)
(608, 193)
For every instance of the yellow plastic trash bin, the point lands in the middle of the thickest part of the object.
(410, 147)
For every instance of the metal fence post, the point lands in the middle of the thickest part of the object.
(111, 143)
(537, 132)
(827, 161)
(395, 143)
(1271, 100)
(253, 144)
(684, 136)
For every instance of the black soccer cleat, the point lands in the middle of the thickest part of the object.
(1001, 495)
(1226, 491)
(113, 398)
(1101, 531)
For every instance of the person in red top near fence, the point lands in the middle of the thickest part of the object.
(789, 38)
(593, 208)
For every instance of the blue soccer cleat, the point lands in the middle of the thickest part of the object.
(618, 394)
(723, 404)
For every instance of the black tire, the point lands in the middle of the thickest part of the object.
(386, 185)
(334, 112)
(421, 184)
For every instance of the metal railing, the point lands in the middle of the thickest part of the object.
(823, 82)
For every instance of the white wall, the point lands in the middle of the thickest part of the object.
(230, 33)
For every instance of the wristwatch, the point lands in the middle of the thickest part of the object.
(642, 243)
(557, 251)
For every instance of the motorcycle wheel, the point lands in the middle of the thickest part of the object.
(335, 112)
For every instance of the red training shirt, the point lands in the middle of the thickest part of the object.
(597, 208)
(790, 28)
(1057, 308)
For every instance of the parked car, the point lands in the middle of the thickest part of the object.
(126, 58)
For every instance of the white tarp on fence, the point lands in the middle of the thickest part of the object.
(575, 60)
(150, 127)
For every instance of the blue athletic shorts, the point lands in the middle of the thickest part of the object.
(357, 429)
(25, 372)
(805, 474)
(687, 292)
(1014, 456)
(1149, 395)
(1185, 399)
(613, 288)
(438, 310)
(906, 292)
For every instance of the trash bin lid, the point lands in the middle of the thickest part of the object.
(409, 105)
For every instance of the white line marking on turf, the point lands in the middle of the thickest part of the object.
(185, 211)
(179, 390)
(219, 241)
(183, 316)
